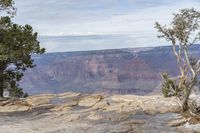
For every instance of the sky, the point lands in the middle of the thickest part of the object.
(79, 25)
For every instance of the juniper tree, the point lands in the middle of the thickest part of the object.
(183, 32)
(17, 44)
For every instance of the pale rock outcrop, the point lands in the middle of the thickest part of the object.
(40, 99)
(95, 113)
(149, 104)
(90, 101)
(13, 108)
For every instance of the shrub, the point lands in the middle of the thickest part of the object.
(169, 86)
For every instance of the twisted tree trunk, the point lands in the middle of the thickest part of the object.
(185, 106)
(1, 86)
(191, 83)
(2, 76)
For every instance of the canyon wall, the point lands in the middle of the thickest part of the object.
(120, 71)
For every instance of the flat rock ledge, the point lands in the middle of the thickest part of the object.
(92, 113)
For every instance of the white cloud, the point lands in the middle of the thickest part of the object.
(98, 17)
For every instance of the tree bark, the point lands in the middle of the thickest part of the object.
(185, 101)
(1, 92)
(179, 59)
(1, 85)
(187, 94)
(2, 68)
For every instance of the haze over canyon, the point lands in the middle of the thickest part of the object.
(117, 71)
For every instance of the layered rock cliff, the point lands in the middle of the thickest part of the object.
(121, 71)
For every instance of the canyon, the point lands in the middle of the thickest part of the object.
(118, 71)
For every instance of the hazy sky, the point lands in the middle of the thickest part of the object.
(74, 25)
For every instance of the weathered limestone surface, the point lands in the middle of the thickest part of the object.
(95, 113)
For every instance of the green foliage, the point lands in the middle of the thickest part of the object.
(184, 24)
(169, 87)
(194, 107)
(10, 83)
(7, 5)
(17, 92)
(17, 44)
